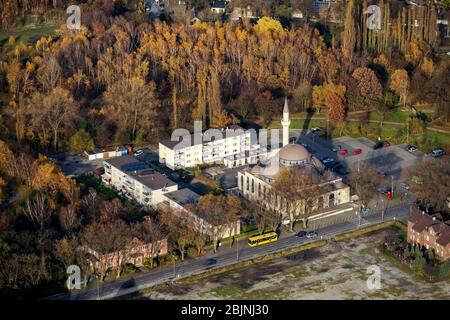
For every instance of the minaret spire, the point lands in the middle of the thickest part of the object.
(285, 122)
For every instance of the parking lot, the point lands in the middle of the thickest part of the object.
(389, 160)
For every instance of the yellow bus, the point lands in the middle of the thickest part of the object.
(262, 239)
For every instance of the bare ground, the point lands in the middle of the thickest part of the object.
(336, 271)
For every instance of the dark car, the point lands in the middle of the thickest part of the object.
(301, 234)
(378, 145)
(210, 262)
(128, 284)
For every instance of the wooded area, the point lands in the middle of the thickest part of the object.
(123, 79)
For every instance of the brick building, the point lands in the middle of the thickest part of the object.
(430, 231)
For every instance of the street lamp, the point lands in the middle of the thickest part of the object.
(382, 209)
(237, 249)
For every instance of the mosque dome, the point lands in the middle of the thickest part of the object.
(292, 154)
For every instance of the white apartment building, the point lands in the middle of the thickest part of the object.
(136, 180)
(212, 146)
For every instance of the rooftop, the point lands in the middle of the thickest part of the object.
(141, 172)
(152, 179)
(422, 221)
(193, 139)
(183, 196)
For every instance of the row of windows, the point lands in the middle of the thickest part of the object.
(262, 192)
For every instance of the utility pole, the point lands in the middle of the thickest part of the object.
(360, 209)
(98, 291)
(407, 132)
(382, 209)
(237, 249)
(174, 268)
(392, 186)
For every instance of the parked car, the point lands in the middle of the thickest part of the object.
(386, 144)
(128, 284)
(312, 234)
(405, 186)
(411, 148)
(378, 145)
(301, 234)
(342, 152)
(327, 160)
(357, 152)
(210, 262)
(438, 152)
(138, 152)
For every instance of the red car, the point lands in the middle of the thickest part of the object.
(357, 151)
(386, 144)
(342, 152)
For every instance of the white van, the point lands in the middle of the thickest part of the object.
(437, 152)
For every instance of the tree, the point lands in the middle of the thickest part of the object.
(419, 261)
(432, 186)
(368, 85)
(264, 216)
(106, 243)
(444, 270)
(364, 180)
(3, 185)
(180, 230)
(81, 141)
(69, 218)
(298, 189)
(349, 34)
(38, 212)
(266, 24)
(133, 104)
(149, 232)
(221, 213)
(49, 75)
(335, 101)
(56, 112)
(400, 84)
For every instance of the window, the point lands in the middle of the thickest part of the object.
(248, 183)
(253, 185)
(242, 182)
(331, 200)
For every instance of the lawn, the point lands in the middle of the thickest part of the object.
(394, 133)
(85, 182)
(31, 31)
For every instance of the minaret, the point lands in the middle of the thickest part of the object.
(285, 122)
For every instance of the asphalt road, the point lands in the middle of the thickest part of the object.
(225, 256)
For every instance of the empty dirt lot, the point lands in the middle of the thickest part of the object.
(336, 271)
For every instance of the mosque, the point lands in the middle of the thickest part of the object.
(255, 183)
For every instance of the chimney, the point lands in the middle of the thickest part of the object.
(434, 218)
(423, 212)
